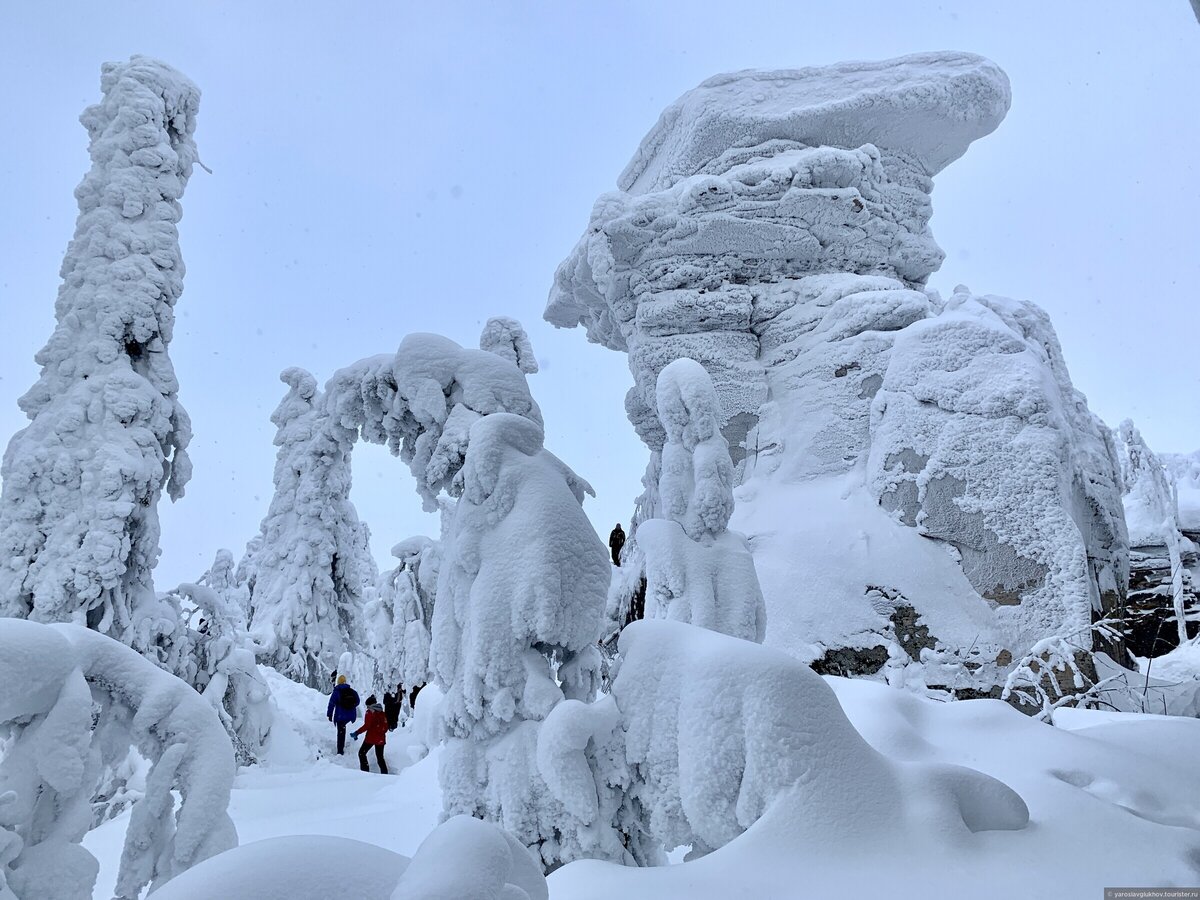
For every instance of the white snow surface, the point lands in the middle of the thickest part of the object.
(1121, 776)
(78, 510)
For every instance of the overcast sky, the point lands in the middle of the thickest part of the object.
(380, 169)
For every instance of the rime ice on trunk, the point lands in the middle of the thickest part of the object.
(78, 514)
(311, 565)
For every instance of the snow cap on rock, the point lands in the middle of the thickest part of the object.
(930, 106)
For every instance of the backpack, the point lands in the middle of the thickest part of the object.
(348, 699)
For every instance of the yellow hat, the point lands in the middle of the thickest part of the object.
(341, 679)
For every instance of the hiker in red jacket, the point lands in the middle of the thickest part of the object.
(375, 725)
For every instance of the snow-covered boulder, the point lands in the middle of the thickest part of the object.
(78, 702)
(78, 511)
(774, 227)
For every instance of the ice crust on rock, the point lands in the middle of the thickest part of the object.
(979, 439)
(774, 227)
(81, 483)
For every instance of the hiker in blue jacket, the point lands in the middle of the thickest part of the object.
(343, 709)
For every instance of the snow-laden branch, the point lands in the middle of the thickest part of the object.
(59, 745)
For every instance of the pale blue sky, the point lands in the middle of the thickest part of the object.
(386, 168)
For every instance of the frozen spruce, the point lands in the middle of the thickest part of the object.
(312, 565)
(84, 701)
(401, 617)
(507, 338)
(220, 664)
(520, 598)
(522, 578)
(697, 570)
(79, 524)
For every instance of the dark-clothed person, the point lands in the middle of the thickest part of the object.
(343, 709)
(391, 709)
(616, 541)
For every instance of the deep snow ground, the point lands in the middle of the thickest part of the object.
(1114, 799)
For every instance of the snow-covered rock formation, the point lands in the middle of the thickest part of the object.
(773, 226)
(311, 564)
(78, 512)
(78, 702)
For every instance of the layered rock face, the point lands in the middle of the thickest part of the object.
(773, 226)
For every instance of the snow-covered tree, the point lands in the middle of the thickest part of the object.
(221, 666)
(507, 338)
(312, 563)
(78, 513)
(222, 578)
(1152, 510)
(696, 569)
(520, 600)
(522, 580)
(84, 700)
(401, 618)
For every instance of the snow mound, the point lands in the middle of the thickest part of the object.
(930, 106)
(297, 867)
(79, 524)
(723, 730)
(462, 859)
(467, 859)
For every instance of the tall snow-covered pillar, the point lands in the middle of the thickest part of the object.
(78, 513)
